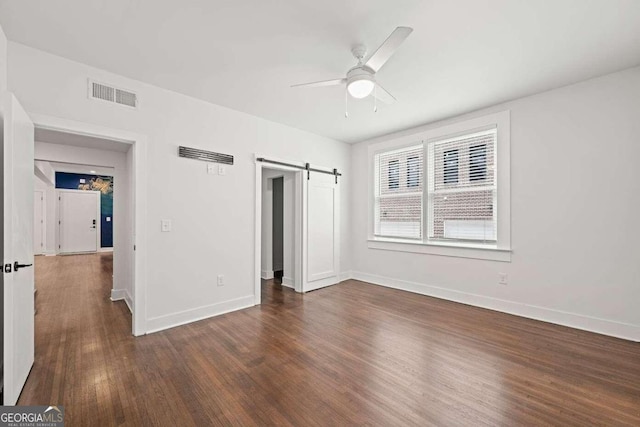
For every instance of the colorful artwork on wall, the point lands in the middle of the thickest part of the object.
(104, 184)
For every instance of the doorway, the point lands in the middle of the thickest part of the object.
(129, 203)
(278, 227)
(89, 179)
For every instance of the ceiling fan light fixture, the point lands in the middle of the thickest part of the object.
(361, 86)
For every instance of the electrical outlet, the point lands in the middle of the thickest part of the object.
(211, 168)
(222, 170)
(165, 225)
(220, 280)
(502, 278)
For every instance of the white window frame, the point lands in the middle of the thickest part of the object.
(499, 251)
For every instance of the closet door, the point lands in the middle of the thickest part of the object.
(321, 231)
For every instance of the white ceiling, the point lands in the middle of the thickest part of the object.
(462, 55)
(64, 138)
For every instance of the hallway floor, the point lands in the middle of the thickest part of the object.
(350, 354)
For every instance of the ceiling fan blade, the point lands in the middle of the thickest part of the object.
(386, 49)
(333, 82)
(382, 95)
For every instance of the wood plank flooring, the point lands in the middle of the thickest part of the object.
(351, 354)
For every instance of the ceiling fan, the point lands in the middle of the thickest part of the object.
(361, 79)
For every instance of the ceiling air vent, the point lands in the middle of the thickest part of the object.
(113, 94)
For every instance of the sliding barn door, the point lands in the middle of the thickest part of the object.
(321, 231)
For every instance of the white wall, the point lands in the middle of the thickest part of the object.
(212, 215)
(575, 198)
(3, 61)
(45, 171)
(122, 219)
(288, 226)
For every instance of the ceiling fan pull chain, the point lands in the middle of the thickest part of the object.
(346, 103)
(375, 98)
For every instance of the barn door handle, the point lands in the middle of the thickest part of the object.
(17, 266)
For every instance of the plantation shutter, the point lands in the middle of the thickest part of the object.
(462, 188)
(398, 193)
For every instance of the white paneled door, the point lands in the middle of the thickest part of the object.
(17, 253)
(38, 222)
(321, 225)
(79, 216)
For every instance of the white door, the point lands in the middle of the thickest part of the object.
(321, 228)
(38, 222)
(18, 288)
(79, 216)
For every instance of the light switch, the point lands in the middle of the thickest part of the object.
(211, 169)
(222, 170)
(108, 219)
(165, 225)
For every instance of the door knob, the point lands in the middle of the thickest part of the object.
(17, 266)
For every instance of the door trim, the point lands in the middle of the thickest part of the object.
(43, 227)
(59, 191)
(138, 174)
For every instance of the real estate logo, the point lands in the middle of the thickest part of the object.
(31, 416)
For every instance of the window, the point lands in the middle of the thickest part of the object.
(458, 201)
(444, 190)
(462, 194)
(398, 201)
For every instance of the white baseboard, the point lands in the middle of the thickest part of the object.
(266, 275)
(345, 275)
(122, 294)
(118, 294)
(160, 323)
(105, 250)
(288, 282)
(601, 326)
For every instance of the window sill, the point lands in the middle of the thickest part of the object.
(443, 249)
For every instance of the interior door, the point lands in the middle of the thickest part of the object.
(79, 214)
(38, 222)
(321, 228)
(17, 233)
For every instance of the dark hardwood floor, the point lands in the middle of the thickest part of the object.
(351, 354)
